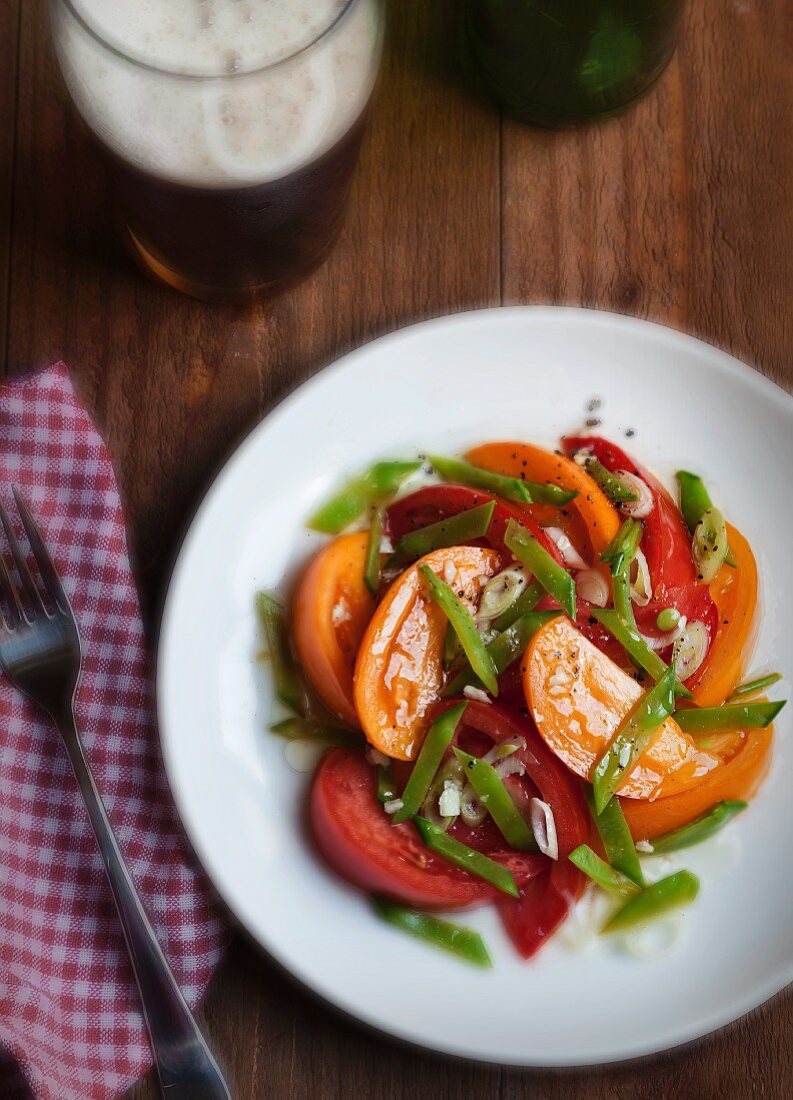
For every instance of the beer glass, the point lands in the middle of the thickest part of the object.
(562, 62)
(231, 128)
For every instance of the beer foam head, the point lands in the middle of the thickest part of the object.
(219, 92)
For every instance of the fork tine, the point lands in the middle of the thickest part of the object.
(49, 574)
(22, 566)
(7, 589)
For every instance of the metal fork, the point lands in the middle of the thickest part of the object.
(40, 653)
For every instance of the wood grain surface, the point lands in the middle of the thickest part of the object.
(680, 211)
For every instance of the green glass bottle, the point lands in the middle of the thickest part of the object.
(564, 62)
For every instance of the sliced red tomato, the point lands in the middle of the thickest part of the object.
(545, 898)
(357, 839)
(666, 542)
(438, 502)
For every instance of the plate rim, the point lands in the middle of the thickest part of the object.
(718, 360)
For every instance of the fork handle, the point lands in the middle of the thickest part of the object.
(186, 1068)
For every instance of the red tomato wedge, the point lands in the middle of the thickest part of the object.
(666, 541)
(579, 698)
(438, 502)
(358, 840)
(545, 898)
(399, 671)
(331, 612)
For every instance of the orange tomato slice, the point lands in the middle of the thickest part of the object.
(745, 762)
(599, 516)
(579, 697)
(332, 609)
(734, 591)
(399, 672)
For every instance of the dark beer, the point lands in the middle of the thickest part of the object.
(232, 128)
(563, 62)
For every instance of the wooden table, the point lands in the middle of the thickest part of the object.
(680, 211)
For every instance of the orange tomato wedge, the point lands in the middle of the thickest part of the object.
(745, 762)
(332, 609)
(579, 697)
(399, 672)
(594, 508)
(734, 591)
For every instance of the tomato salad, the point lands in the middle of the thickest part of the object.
(522, 676)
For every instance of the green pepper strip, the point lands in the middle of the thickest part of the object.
(694, 501)
(469, 860)
(752, 687)
(459, 529)
(495, 797)
(510, 488)
(617, 839)
(457, 614)
(614, 882)
(526, 601)
(304, 729)
(504, 650)
(634, 645)
(701, 828)
(287, 686)
(611, 485)
(632, 738)
(371, 569)
(379, 481)
(428, 761)
(556, 581)
(736, 716)
(462, 942)
(677, 889)
(386, 785)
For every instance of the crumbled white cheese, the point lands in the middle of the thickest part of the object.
(386, 545)
(450, 803)
(393, 806)
(644, 846)
(375, 758)
(475, 693)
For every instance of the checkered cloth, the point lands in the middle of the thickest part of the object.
(69, 1011)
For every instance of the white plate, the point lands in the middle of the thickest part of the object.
(523, 373)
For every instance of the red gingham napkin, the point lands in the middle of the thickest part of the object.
(68, 1005)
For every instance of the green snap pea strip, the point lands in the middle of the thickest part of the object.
(510, 488)
(465, 526)
(462, 942)
(617, 839)
(371, 569)
(464, 627)
(451, 646)
(556, 581)
(495, 797)
(701, 828)
(287, 685)
(607, 878)
(379, 482)
(608, 482)
(386, 785)
(632, 738)
(428, 761)
(622, 549)
(504, 650)
(469, 860)
(526, 601)
(694, 502)
(668, 893)
(305, 729)
(733, 716)
(752, 687)
(635, 646)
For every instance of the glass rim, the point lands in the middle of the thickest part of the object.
(178, 75)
